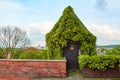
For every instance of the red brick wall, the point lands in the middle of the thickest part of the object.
(32, 68)
(113, 73)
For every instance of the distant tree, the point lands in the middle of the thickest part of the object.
(12, 38)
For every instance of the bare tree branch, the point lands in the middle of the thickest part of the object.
(12, 38)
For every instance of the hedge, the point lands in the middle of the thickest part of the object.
(38, 55)
(102, 62)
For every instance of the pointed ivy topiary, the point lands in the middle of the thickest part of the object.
(70, 28)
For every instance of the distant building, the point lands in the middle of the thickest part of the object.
(33, 49)
(102, 50)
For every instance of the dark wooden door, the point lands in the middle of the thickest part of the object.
(71, 53)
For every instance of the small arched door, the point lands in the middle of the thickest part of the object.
(71, 53)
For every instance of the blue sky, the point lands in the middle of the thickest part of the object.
(37, 17)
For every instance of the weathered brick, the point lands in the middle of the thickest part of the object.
(87, 72)
(29, 69)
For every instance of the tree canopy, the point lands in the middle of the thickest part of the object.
(11, 39)
(70, 28)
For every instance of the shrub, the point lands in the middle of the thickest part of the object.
(102, 62)
(38, 55)
(16, 54)
(32, 55)
(1, 56)
(114, 51)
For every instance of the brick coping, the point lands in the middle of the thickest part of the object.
(46, 60)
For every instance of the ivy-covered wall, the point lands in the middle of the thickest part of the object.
(70, 28)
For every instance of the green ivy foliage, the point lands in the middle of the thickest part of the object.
(70, 28)
(114, 51)
(102, 62)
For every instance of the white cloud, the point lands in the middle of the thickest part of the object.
(105, 34)
(37, 31)
(43, 27)
(105, 31)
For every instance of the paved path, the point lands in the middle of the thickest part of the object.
(75, 75)
(14, 78)
(72, 75)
